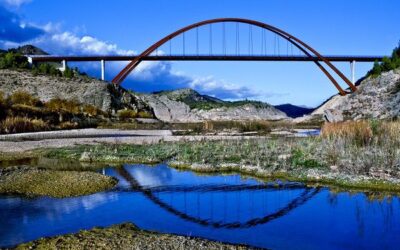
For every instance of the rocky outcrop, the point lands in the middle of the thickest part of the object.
(245, 112)
(82, 89)
(182, 106)
(29, 50)
(375, 98)
(168, 110)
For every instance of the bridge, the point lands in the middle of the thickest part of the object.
(276, 45)
(188, 203)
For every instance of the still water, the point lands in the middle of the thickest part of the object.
(229, 208)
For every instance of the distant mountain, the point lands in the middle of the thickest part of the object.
(293, 110)
(29, 50)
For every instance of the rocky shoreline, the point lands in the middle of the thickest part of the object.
(314, 177)
(125, 236)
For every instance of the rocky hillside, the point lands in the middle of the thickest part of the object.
(376, 98)
(184, 105)
(82, 89)
(29, 50)
(187, 105)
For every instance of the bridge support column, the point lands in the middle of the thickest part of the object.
(103, 69)
(64, 65)
(353, 71)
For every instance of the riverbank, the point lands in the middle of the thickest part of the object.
(124, 236)
(298, 159)
(358, 155)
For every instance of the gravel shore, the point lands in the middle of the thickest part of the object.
(56, 139)
(125, 236)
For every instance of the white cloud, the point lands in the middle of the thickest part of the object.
(148, 76)
(69, 43)
(15, 3)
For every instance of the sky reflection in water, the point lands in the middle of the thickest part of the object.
(225, 208)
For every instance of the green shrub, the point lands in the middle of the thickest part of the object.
(46, 69)
(22, 124)
(387, 64)
(68, 73)
(24, 98)
(299, 159)
(13, 60)
(126, 114)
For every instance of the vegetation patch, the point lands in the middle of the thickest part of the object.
(353, 153)
(21, 112)
(124, 236)
(35, 182)
(387, 64)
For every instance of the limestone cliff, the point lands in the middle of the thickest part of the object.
(184, 105)
(376, 98)
(187, 105)
(82, 89)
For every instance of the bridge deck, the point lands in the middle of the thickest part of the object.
(205, 58)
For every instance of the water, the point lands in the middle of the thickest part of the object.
(229, 208)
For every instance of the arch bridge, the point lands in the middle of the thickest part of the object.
(264, 43)
(192, 210)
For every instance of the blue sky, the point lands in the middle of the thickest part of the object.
(332, 27)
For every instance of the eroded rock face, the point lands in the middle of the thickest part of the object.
(375, 98)
(333, 115)
(245, 112)
(169, 110)
(167, 107)
(84, 90)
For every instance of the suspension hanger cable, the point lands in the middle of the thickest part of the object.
(262, 41)
(197, 40)
(223, 39)
(265, 41)
(170, 47)
(210, 35)
(183, 37)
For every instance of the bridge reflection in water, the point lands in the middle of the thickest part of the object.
(225, 206)
(229, 208)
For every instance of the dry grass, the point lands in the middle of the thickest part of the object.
(24, 98)
(90, 110)
(60, 105)
(22, 124)
(363, 133)
(68, 125)
(126, 114)
(359, 132)
(3, 109)
(2, 99)
(143, 114)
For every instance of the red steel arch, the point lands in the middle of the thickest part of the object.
(305, 48)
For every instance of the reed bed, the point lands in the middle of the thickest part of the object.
(22, 124)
